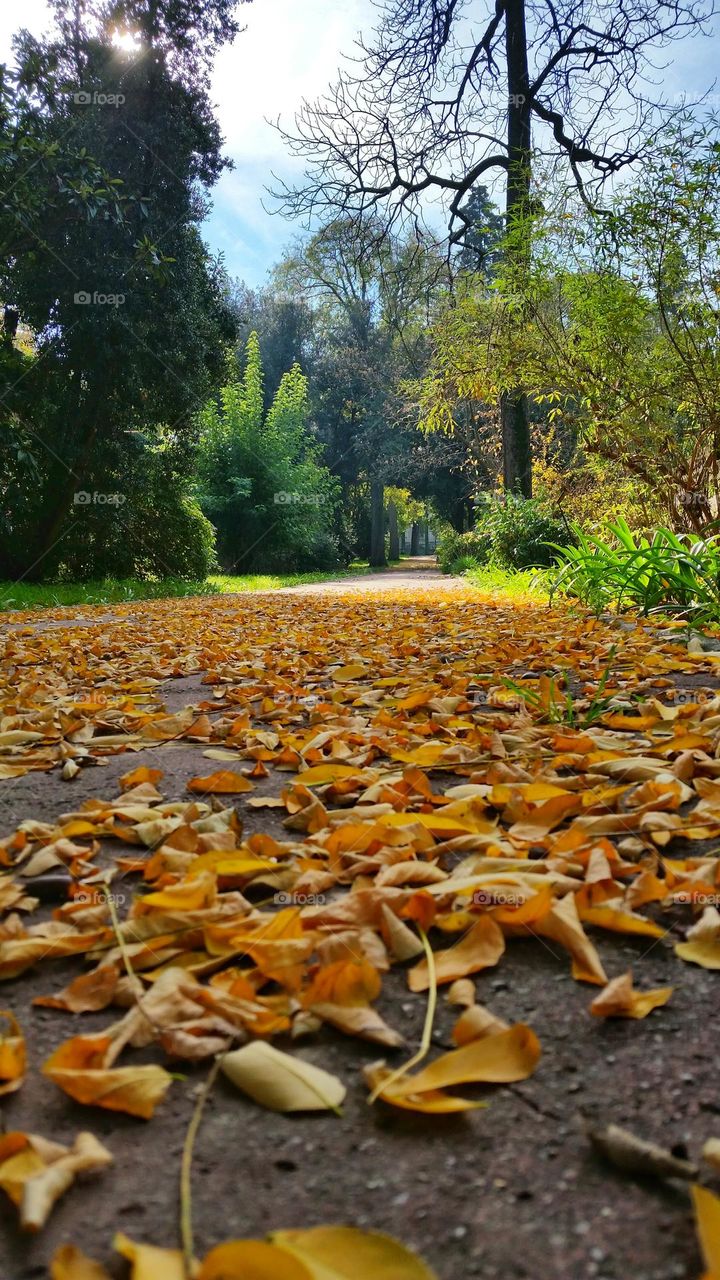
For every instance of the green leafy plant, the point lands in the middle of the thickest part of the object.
(665, 571)
(559, 705)
(464, 564)
(522, 533)
(455, 547)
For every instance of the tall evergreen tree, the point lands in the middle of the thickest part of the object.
(128, 314)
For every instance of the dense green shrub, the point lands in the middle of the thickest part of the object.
(669, 571)
(521, 531)
(511, 532)
(455, 547)
(137, 518)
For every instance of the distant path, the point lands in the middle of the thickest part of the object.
(416, 571)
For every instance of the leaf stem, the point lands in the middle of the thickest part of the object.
(426, 1040)
(186, 1231)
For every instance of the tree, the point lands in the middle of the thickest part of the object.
(285, 326)
(436, 102)
(262, 480)
(371, 313)
(129, 314)
(621, 340)
(482, 243)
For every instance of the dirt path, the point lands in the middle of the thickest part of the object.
(511, 1192)
(420, 571)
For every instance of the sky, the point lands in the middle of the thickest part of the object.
(290, 50)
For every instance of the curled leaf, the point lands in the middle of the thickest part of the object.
(70, 1263)
(345, 1253)
(77, 1068)
(619, 999)
(149, 1262)
(12, 1055)
(281, 1082)
(703, 941)
(634, 1155)
(480, 948)
(34, 1173)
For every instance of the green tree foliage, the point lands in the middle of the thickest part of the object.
(128, 314)
(371, 303)
(621, 342)
(485, 228)
(262, 480)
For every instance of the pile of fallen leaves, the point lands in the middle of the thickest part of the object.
(432, 815)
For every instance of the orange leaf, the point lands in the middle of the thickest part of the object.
(223, 783)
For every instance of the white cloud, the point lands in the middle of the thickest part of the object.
(291, 49)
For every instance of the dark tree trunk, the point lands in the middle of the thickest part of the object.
(377, 524)
(51, 527)
(394, 534)
(517, 462)
(415, 539)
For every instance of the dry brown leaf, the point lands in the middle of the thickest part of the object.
(634, 1155)
(480, 948)
(619, 999)
(34, 1173)
(12, 1054)
(70, 1263)
(77, 1067)
(280, 1082)
(707, 1217)
(223, 783)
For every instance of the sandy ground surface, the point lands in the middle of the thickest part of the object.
(507, 1193)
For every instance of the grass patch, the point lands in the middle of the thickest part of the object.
(527, 583)
(30, 595)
